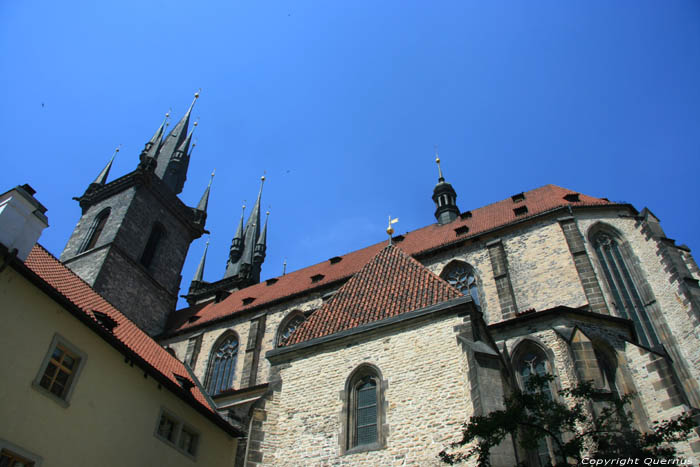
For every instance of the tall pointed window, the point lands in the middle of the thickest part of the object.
(462, 276)
(531, 360)
(364, 412)
(157, 234)
(95, 230)
(628, 301)
(222, 365)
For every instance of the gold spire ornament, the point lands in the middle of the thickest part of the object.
(437, 161)
(390, 229)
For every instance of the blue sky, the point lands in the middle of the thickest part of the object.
(341, 103)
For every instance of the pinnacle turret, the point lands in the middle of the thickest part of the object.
(199, 274)
(204, 201)
(261, 245)
(248, 246)
(174, 140)
(150, 151)
(102, 177)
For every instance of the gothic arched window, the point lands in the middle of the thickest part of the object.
(157, 233)
(462, 276)
(222, 365)
(364, 409)
(96, 228)
(289, 325)
(529, 360)
(625, 293)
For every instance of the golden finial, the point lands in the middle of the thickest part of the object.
(196, 94)
(437, 161)
(267, 213)
(118, 147)
(390, 229)
(262, 178)
(213, 172)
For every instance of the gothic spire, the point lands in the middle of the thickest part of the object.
(102, 177)
(150, 151)
(173, 142)
(252, 229)
(236, 248)
(445, 198)
(261, 245)
(199, 274)
(247, 253)
(204, 201)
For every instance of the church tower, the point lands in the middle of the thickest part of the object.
(244, 263)
(134, 232)
(445, 198)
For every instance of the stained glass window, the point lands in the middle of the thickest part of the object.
(462, 276)
(628, 301)
(289, 328)
(223, 366)
(366, 412)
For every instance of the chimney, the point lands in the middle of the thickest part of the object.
(22, 219)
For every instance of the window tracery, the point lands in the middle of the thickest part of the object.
(462, 276)
(222, 366)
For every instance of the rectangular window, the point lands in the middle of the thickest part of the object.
(59, 371)
(188, 441)
(177, 434)
(166, 427)
(10, 459)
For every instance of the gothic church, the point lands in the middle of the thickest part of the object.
(378, 356)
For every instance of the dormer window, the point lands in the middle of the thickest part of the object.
(572, 197)
(271, 281)
(317, 278)
(518, 198)
(521, 211)
(248, 300)
(462, 230)
(335, 259)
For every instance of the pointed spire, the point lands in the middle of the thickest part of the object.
(102, 177)
(204, 202)
(437, 161)
(236, 248)
(174, 140)
(199, 274)
(252, 229)
(149, 154)
(261, 245)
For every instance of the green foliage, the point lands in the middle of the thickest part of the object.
(533, 416)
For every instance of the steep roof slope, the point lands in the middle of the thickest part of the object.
(482, 220)
(390, 284)
(79, 293)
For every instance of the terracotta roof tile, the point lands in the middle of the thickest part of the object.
(73, 288)
(390, 284)
(433, 236)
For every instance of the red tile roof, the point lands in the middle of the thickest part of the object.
(482, 220)
(78, 292)
(390, 284)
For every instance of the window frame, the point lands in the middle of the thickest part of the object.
(180, 426)
(520, 349)
(155, 239)
(628, 292)
(469, 270)
(284, 324)
(18, 451)
(349, 413)
(95, 230)
(210, 363)
(56, 341)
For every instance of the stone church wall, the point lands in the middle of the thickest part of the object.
(426, 399)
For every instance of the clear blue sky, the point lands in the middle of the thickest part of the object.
(341, 104)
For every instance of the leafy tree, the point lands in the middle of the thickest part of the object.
(533, 416)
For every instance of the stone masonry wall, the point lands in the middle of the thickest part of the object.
(426, 394)
(675, 313)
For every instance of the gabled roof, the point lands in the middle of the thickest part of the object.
(431, 237)
(390, 284)
(91, 308)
